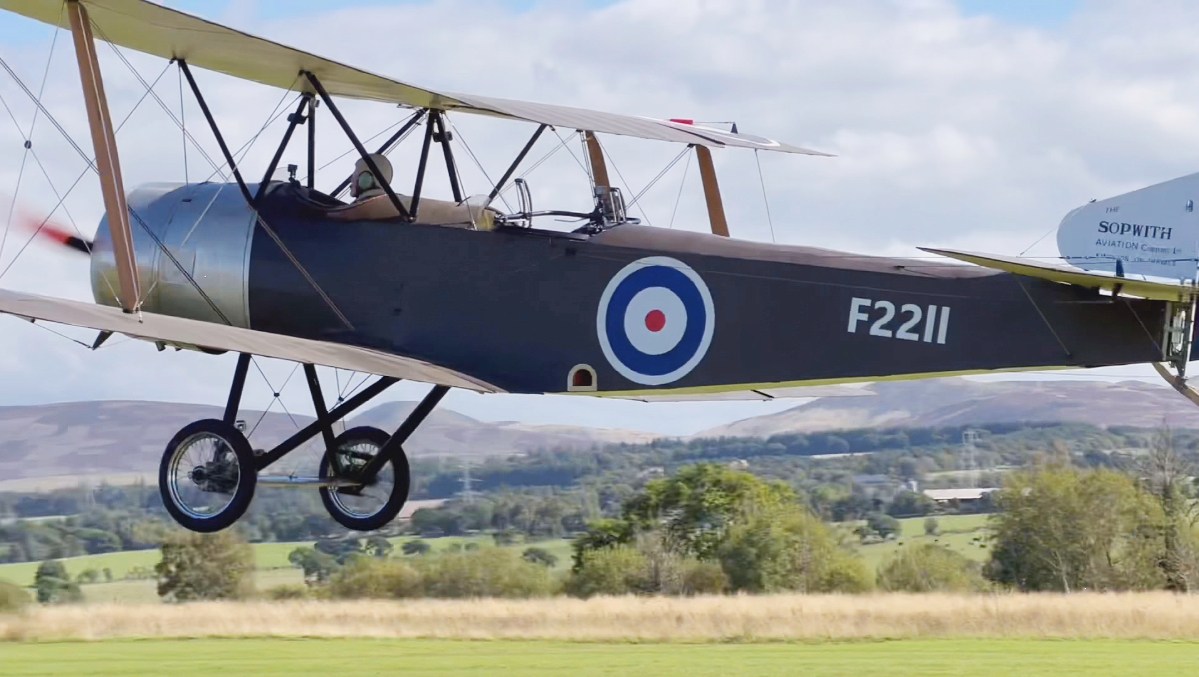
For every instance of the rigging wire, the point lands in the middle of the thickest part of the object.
(678, 198)
(278, 392)
(41, 91)
(561, 144)
(182, 124)
(91, 165)
(72, 339)
(661, 174)
(280, 108)
(28, 138)
(579, 162)
(462, 139)
(161, 104)
(765, 200)
(626, 183)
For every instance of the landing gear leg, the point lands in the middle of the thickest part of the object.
(1180, 330)
(367, 473)
(207, 475)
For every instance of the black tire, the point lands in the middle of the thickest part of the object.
(354, 448)
(226, 468)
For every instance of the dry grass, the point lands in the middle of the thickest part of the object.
(782, 617)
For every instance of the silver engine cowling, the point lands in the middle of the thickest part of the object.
(185, 236)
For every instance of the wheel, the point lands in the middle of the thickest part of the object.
(371, 505)
(207, 476)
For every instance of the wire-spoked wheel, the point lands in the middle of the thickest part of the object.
(376, 501)
(207, 476)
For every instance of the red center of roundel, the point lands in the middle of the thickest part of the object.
(655, 320)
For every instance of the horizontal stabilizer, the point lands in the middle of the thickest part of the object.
(1162, 291)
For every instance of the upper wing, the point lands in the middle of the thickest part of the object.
(170, 34)
(1162, 291)
(208, 335)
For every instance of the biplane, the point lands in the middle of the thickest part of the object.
(457, 293)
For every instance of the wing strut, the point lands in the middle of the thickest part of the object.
(595, 154)
(370, 163)
(707, 173)
(107, 161)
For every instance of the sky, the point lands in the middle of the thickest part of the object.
(968, 124)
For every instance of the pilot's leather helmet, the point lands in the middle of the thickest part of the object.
(365, 184)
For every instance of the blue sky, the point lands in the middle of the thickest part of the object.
(1036, 13)
(978, 139)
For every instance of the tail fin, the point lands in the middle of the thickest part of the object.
(1151, 231)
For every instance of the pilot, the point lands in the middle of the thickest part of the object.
(365, 185)
(371, 202)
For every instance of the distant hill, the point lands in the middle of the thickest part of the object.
(51, 445)
(62, 443)
(958, 401)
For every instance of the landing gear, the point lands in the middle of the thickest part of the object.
(358, 502)
(207, 476)
(209, 471)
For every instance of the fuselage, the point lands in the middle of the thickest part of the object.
(636, 308)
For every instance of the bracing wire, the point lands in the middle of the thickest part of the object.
(626, 183)
(679, 198)
(661, 174)
(183, 125)
(765, 200)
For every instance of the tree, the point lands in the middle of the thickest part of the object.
(910, 504)
(377, 546)
(417, 547)
(618, 570)
(696, 506)
(931, 526)
(1167, 477)
(540, 556)
(317, 566)
(879, 524)
(369, 577)
(789, 549)
(205, 566)
(490, 572)
(54, 584)
(929, 568)
(1063, 529)
(340, 549)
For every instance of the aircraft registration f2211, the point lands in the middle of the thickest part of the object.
(459, 294)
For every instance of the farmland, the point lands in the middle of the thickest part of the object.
(363, 657)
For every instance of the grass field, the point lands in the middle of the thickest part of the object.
(965, 534)
(372, 657)
(791, 617)
(271, 558)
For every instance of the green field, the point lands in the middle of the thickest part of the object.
(273, 567)
(966, 534)
(372, 657)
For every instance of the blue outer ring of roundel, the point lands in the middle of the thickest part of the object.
(677, 362)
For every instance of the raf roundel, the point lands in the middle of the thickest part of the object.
(655, 320)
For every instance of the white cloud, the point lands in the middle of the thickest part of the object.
(949, 130)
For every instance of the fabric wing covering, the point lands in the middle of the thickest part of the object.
(168, 33)
(221, 337)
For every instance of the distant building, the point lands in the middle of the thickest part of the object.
(412, 506)
(960, 497)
